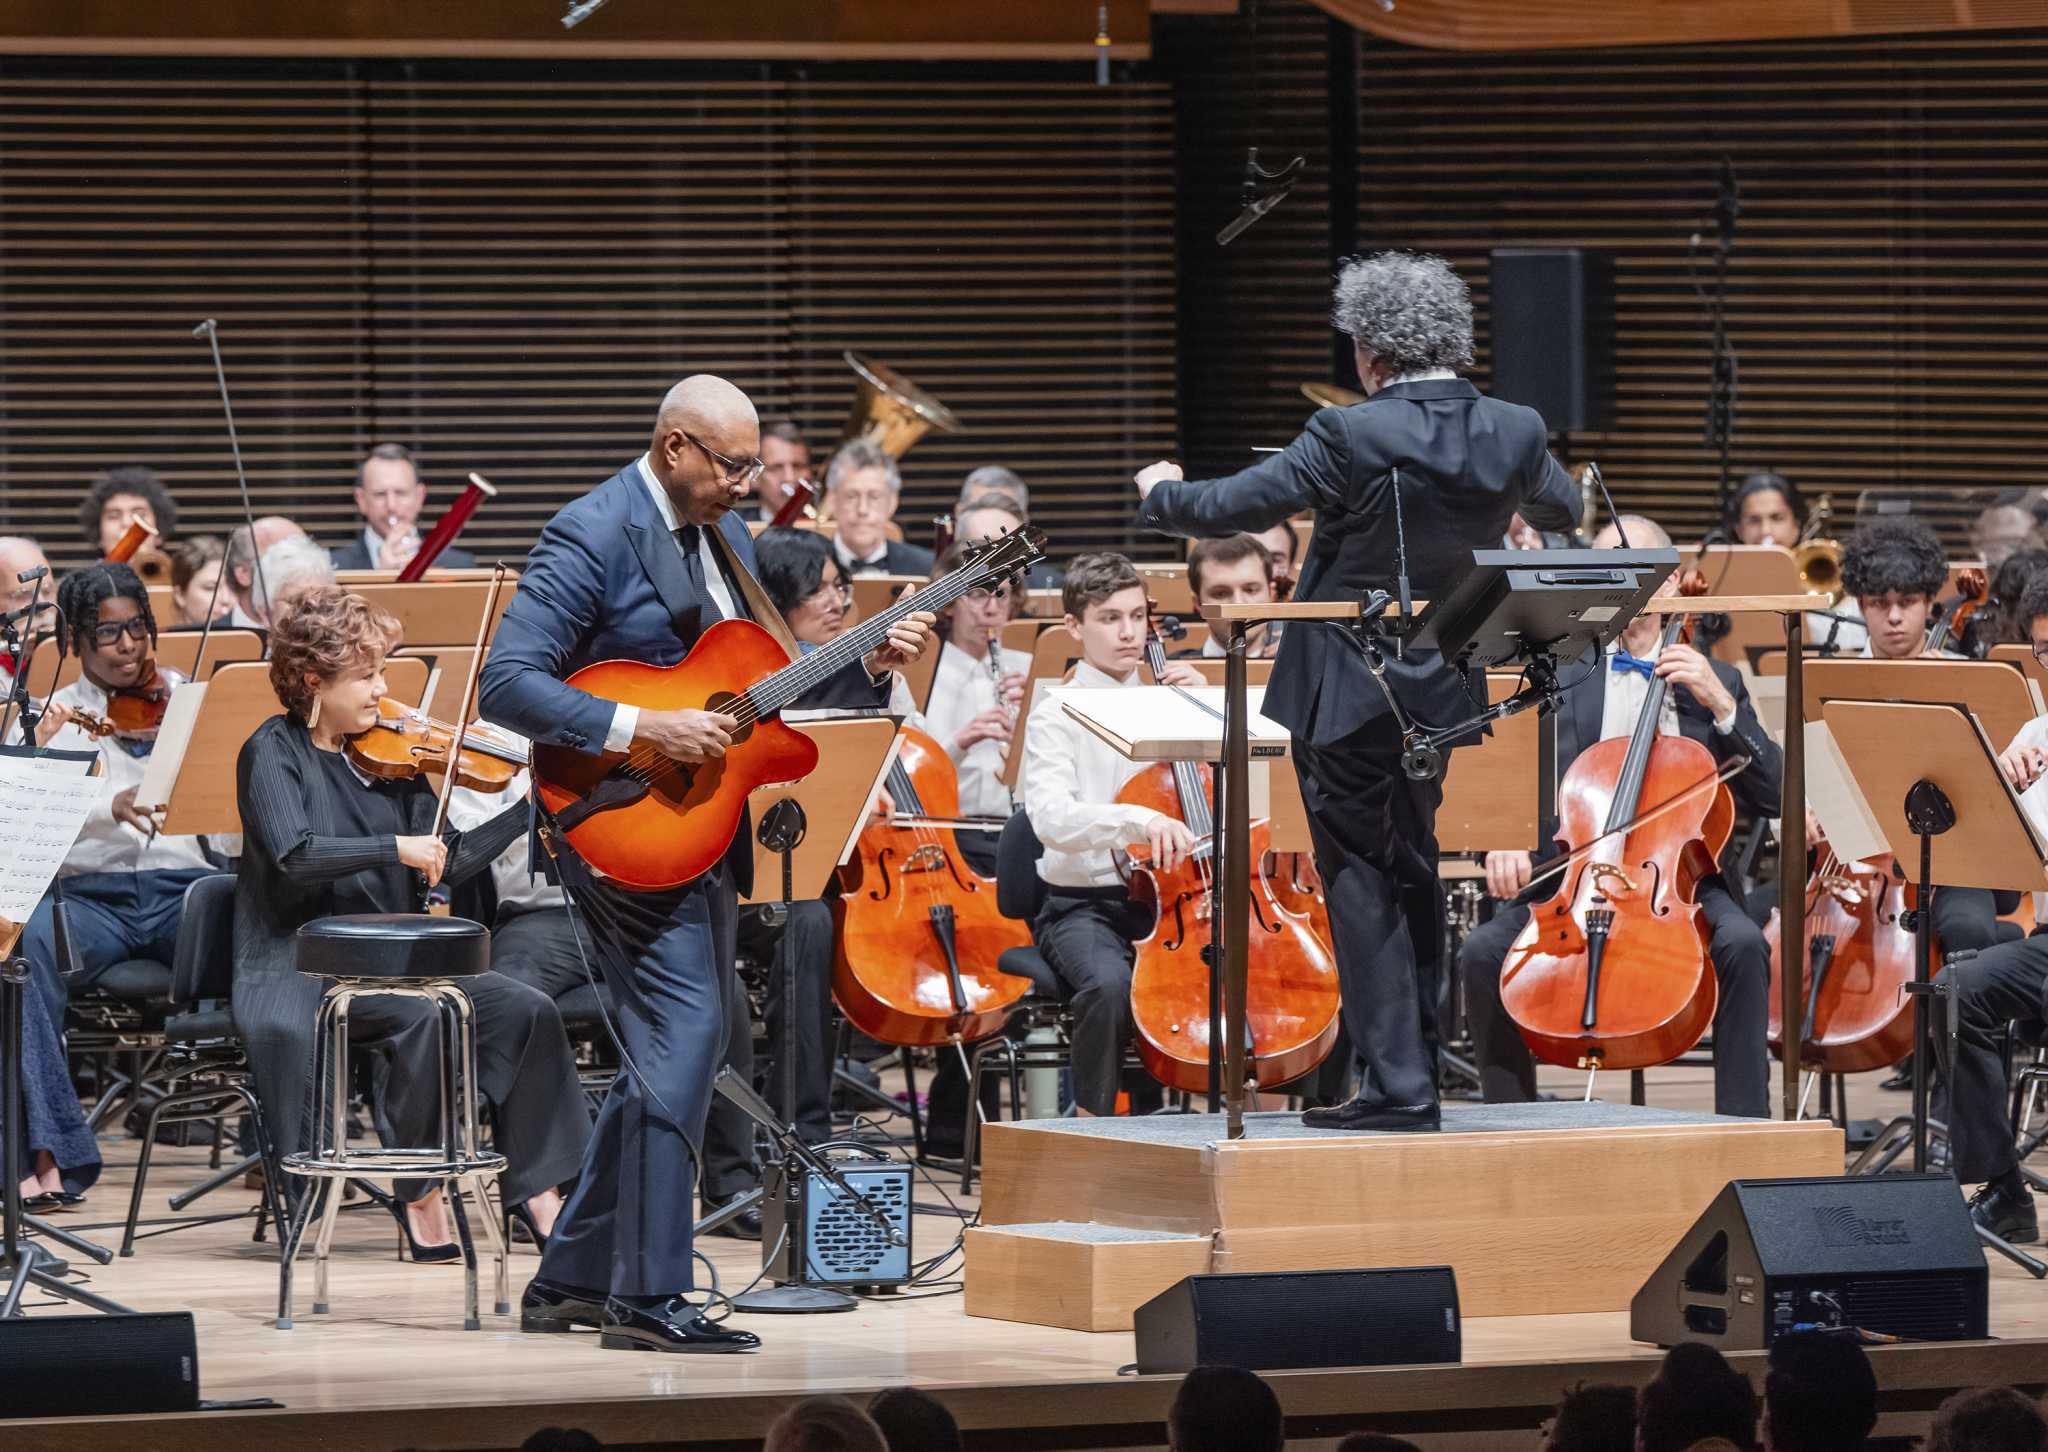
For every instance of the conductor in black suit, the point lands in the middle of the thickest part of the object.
(1603, 698)
(1463, 464)
(389, 497)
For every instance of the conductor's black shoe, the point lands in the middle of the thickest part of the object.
(1363, 1114)
(2007, 1211)
(549, 1307)
(744, 1226)
(675, 1326)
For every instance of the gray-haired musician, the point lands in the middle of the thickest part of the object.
(1463, 464)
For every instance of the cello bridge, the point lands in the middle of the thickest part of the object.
(930, 857)
(1843, 889)
(1603, 871)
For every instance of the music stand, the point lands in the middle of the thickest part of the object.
(1933, 783)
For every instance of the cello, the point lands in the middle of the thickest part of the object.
(1858, 959)
(1291, 995)
(919, 931)
(1612, 971)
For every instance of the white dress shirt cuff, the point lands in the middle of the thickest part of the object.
(625, 722)
(1725, 725)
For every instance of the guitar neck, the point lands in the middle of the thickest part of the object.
(807, 672)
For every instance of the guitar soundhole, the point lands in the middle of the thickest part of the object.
(724, 701)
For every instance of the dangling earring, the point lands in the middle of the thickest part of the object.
(313, 716)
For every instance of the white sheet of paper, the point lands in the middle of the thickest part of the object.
(1853, 833)
(1155, 718)
(181, 714)
(47, 799)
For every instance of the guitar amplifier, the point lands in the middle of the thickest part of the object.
(818, 1235)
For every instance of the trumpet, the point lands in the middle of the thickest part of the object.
(1819, 563)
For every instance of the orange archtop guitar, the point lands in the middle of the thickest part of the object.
(649, 822)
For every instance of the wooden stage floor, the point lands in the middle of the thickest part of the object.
(390, 1367)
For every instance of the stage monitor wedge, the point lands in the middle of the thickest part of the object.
(1894, 1254)
(98, 1366)
(1290, 1319)
(1553, 334)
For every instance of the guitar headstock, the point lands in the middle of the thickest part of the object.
(1014, 549)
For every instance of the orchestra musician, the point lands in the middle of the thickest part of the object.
(991, 513)
(195, 580)
(1069, 782)
(1708, 703)
(862, 489)
(977, 687)
(1458, 464)
(1894, 569)
(120, 497)
(122, 885)
(637, 568)
(2003, 984)
(20, 555)
(1766, 508)
(321, 837)
(389, 498)
(292, 568)
(1235, 569)
(238, 583)
(993, 479)
(785, 458)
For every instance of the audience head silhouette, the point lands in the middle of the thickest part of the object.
(1820, 1394)
(1990, 1419)
(825, 1424)
(1224, 1409)
(1598, 1418)
(1696, 1395)
(912, 1421)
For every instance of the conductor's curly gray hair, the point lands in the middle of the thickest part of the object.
(1409, 310)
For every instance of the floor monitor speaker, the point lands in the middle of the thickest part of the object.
(80, 1366)
(1889, 1253)
(1286, 1319)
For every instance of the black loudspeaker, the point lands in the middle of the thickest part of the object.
(82, 1366)
(1890, 1253)
(1302, 1318)
(1553, 334)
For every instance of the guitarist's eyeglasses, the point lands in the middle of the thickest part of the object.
(737, 471)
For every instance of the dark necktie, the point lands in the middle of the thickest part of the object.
(690, 539)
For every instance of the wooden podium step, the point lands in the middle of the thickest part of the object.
(1540, 1208)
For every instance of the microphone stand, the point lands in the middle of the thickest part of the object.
(1721, 396)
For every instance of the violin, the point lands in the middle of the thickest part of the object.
(406, 742)
(1612, 970)
(137, 712)
(919, 931)
(1952, 621)
(1859, 957)
(1291, 996)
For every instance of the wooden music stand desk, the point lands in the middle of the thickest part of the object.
(176, 649)
(873, 594)
(2000, 697)
(238, 699)
(1748, 570)
(836, 800)
(1493, 791)
(432, 613)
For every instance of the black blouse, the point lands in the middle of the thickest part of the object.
(318, 840)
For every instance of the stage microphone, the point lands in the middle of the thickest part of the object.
(1612, 513)
(1263, 191)
(580, 13)
(206, 329)
(1728, 205)
(29, 577)
(1102, 45)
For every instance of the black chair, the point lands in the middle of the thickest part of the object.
(205, 1063)
(116, 1024)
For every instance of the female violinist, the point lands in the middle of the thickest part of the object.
(321, 837)
(1706, 703)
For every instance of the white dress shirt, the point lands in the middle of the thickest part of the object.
(1623, 703)
(106, 845)
(517, 887)
(1069, 780)
(1850, 635)
(374, 543)
(625, 718)
(2034, 800)
(961, 690)
(848, 563)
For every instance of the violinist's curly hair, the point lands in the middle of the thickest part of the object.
(326, 632)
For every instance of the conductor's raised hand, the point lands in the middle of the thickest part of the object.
(427, 855)
(908, 639)
(688, 736)
(1152, 473)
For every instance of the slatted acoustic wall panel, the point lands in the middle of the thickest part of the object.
(504, 266)
(1252, 313)
(1886, 290)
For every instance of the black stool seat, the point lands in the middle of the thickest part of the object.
(395, 946)
(135, 978)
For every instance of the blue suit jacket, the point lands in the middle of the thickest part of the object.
(606, 582)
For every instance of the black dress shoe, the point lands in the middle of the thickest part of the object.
(549, 1307)
(1363, 1114)
(2007, 1211)
(675, 1326)
(744, 1226)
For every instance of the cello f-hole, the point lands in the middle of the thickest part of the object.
(877, 894)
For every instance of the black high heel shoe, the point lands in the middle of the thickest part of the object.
(422, 1254)
(523, 1217)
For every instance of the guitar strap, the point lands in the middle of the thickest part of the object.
(758, 604)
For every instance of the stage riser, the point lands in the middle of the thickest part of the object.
(1542, 1221)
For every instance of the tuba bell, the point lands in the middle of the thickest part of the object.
(889, 411)
(1819, 563)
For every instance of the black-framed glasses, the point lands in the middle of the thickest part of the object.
(105, 635)
(736, 471)
(2041, 653)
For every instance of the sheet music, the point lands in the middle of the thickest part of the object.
(46, 801)
(1852, 829)
(181, 714)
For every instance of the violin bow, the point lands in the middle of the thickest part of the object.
(210, 330)
(476, 665)
(1733, 767)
